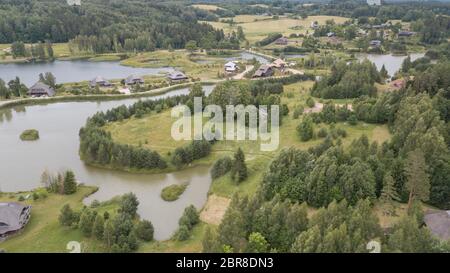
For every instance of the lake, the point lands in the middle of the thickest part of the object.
(247, 56)
(22, 163)
(74, 71)
(391, 62)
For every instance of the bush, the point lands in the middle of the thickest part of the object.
(352, 120)
(173, 192)
(306, 129)
(298, 112)
(310, 102)
(221, 167)
(190, 217)
(35, 196)
(29, 135)
(21, 198)
(183, 233)
(144, 230)
(322, 133)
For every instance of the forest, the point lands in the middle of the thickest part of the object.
(106, 26)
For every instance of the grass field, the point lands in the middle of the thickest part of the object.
(153, 131)
(207, 7)
(257, 27)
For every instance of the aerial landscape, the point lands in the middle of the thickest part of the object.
(224, 126)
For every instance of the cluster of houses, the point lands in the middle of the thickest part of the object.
(267, 70)
(41, 89)
(13, 218)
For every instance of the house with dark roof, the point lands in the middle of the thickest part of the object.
(263, 71)
(99, 81)
(40, 89)
(405, 33)
(281, 41)
(438, 222)
(177, 76)
(13, 218)
(132, 79)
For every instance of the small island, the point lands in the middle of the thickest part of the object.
(29, 135)
(173, 192)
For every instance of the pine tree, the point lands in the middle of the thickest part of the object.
(239, 170)
(383, 72)
(66, 217)
(69, 183)
(389, 195)
(417, 182)
(98, 227)
(108, 234)
(86, 222)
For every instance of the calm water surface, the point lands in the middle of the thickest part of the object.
(22, 163)
(74, 71)
(391, 62)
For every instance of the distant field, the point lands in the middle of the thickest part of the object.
(256, 27)
(207, 7)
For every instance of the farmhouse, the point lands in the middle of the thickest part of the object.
(100, 81)
(177, 76)
(41, 89)
(13, 217)
(231, 67)
(263, 71)
(278, 63)
(405, 33)
(130, 80)
(281, 41)
(438, 223)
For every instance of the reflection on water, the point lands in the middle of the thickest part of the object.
(391, 63)
(22, 163)
(74, 71)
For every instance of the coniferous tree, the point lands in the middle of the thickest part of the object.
(239, 169)
(389, 195)
(417, 182)
(98, 228)
(66, 217)
(70, 183)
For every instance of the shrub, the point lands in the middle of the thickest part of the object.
(183, 233)
(310, 102)
(221, 167)
(322, 133)
(144, 230)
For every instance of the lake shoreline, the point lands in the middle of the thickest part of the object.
(97, 97)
